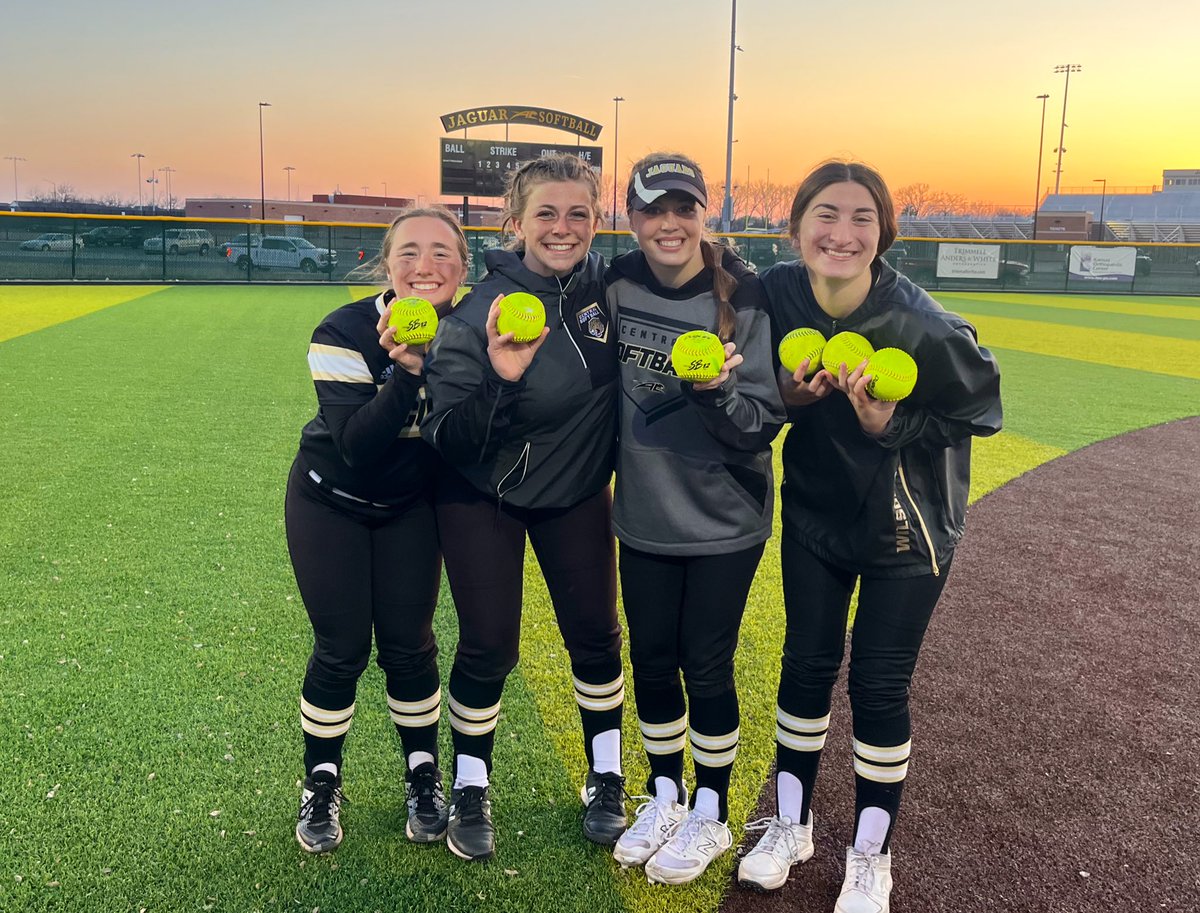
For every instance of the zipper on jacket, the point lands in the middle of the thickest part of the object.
(933, 563)
(522, 463)
(562, 296)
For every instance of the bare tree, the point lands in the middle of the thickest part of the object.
(912, 200)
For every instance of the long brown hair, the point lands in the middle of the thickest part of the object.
(839, 171)
(724, 284)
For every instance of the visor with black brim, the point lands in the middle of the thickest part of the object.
(646, 192)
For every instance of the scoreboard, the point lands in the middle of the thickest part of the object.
(476, 167)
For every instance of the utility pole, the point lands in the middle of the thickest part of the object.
(727, 207)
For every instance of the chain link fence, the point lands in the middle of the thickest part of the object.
(70, 248)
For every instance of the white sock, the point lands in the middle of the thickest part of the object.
(472, 771)
(789, 792)
(708, 803)
(327, 767)
(606, 752)
(417, 758)
(666, 790)
(872, 830)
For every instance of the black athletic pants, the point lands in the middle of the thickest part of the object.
(684, 614)
(889, 627)
(363, 569)
(484, 547)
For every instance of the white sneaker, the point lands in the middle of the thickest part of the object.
(696, 842)
(766, 867)
(653, 826)
(868, 883)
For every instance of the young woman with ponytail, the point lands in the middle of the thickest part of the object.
(693, 505)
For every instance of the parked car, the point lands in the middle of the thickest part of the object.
(114, 236)
(283, 252)
(239, 241)
(1198, 267)
(52, 240)
(181, 241)
(1142, 264)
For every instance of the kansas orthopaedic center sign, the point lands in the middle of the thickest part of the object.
(476, 167)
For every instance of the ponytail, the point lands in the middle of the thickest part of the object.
(724, 285)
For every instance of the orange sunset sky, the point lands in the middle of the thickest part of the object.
(939, 92)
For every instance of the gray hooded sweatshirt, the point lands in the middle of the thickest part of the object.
(694, 472)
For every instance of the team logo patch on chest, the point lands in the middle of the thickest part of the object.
(593, 322)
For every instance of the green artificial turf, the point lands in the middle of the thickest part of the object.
(152, 641)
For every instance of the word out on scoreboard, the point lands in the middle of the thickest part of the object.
(476, 167)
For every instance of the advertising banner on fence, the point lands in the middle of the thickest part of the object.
(968, 261)
(1110, 264)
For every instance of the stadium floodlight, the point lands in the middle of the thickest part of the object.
(1037, 187)
(1067, 68)
(1103, 182)
(139, 156)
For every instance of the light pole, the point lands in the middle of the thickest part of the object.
(1037, 187)
(167, 170)
(152, 180)
(139, 156)
(289, 169)
(1067, 68)
(262, 173)
(617, 99)
(14, 159)
(385, 193)
(727, 207)
(53, 189)
(1103, 182)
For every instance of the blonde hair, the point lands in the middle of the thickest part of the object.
(557, 166)
(724, 284)
(375, 270)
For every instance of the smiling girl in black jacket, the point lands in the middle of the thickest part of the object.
(530, 429)
(874, 493)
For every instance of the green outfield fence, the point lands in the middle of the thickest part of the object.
(44, 247)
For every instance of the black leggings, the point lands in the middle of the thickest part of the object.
(684, 614)
(484, 548)
(889, 628)
(364, 569)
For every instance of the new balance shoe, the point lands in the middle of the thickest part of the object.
(469, 832)
(868, 883)
(766, 867)
(317, 826)
(697, 841)
(426, 804)
(653, 824)
(603, 798)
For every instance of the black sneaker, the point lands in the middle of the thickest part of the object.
(426, 804)
(469, 832)
(603, 798)
(317, 825)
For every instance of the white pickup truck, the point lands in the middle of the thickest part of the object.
(282, 252)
